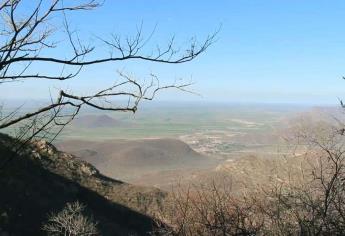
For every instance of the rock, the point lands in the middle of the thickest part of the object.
(87, 169)
(36, 155)
(44, 146)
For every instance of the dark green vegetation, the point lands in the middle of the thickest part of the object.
(41, 179)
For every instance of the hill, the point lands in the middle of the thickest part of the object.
(42, 179)
(95, 121)
(131, 159)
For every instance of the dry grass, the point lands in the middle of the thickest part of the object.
(300, 194)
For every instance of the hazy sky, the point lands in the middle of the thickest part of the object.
(267, 51)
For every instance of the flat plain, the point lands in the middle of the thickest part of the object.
(164, 145)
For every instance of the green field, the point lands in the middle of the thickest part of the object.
(214, 129)
(176, 121)
(209, 129)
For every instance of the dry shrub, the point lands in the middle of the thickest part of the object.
(302, 194)
(209, 209)
(312, 204)
(71, 221)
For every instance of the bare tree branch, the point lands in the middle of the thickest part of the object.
(27, 39)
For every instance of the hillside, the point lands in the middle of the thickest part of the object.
(42, 179)
(131, 159)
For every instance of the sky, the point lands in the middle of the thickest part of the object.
(270, 51)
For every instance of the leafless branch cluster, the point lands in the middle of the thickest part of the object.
(210, 209)
(25, 36)
(28, 38)
(307, 198)
(314, 205)
(71, 221)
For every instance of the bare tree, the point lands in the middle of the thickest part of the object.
(298, 194)
(208, 209)
(28, 39)
(316, 204)
(72, 221)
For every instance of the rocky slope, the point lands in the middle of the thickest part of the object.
(40, 179)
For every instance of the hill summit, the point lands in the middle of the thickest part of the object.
(95, 121)
(131, 159)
